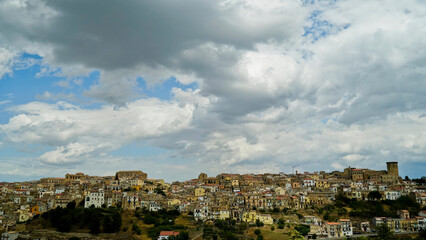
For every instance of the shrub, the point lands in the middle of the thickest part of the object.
(136, 229)
(303, 229)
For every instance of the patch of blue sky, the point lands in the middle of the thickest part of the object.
(325, 120)
(45, 81)
(321, 28)
(322, 2)
(415, 169)
(32, 56)
(29, 150)
(163, 91)
(18, 178)
(23, 86)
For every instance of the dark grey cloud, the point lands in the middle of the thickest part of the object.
(111, 34)
(204, 38)
(357, 98)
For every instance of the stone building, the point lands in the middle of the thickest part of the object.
(130, 174)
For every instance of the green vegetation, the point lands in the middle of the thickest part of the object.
(303, 229)
(97, 220)
(259, 223)
(225, 229)
(422, 234)
(368, 209)
(374, 195)
(181, 236)
(136, 229)
(420, 181)
(162, 220)
(281, 223)
(159, 191)
(295, 235)
(384, 233)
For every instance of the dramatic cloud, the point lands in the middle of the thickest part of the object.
(77, 132)
(257, 86)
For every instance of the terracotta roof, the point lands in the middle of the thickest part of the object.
(169, 233)
(333, 223)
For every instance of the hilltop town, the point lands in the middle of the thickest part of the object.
(275, 202)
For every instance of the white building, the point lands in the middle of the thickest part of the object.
(308, 182)
(346, 227)
(392, 195)
(201, 213)
(96, 198)
(154, 207)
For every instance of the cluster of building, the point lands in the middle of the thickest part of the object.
(242, 197)
(404, 223)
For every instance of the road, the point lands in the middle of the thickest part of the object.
(370, 234)
(199, 235)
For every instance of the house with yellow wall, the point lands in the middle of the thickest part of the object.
(198, 192)
(252, 216)
(279, 191)
(265, 218)
(249, 217)
(191, 199)
(224, 214)
(173, 202)
(322, 184)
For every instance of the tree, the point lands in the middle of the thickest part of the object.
(257, 231)
(111, 223)
(374, 195)
(159, 191)
(407, 178)
(303, 229)
(64, 223)
(180, 236)
(422, 234)
(71, 205)
(295, 235)
(95, 225)
(136, 229)
(326, 216)
(384, 232)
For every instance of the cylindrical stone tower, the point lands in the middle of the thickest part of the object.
(393, 168)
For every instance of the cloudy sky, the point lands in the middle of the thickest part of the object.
(175, 88)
